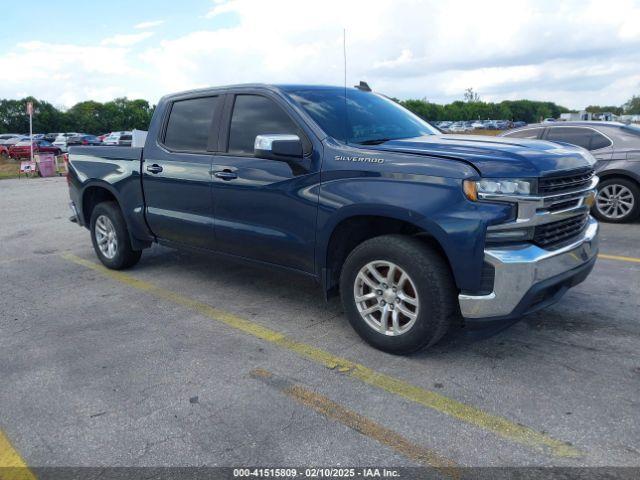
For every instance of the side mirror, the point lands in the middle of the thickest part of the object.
(278, 147)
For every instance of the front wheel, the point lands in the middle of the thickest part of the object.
(110, 237)
(617, 201)
(398, 294)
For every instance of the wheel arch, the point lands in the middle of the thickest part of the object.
(619, 173)
(93, 194)
(353, 227)
(99, 191)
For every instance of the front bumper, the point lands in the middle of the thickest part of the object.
(528, 277)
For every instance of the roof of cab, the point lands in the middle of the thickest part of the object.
(266, 86)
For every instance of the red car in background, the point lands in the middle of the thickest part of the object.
(22, 149)
(4, 151)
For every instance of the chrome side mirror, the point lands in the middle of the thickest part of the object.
(278, 146)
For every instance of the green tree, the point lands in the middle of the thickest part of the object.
(603, 109)
(470, 96)
(632, 107)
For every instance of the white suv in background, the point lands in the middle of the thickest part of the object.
(61, 140)
(114, 138)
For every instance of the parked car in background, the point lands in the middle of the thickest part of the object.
(103, 136)
(458, 127)
(519, 124)
(616, 147)
(5, 137)
(114, 138)
(62, 139)
(4, 152)
(51, 137)
(61, 142)
(125, 140)
(22, 149)
(83, 140)
(549, 120)
(13, 140)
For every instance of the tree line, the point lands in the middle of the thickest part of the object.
(124, 114)
(473, 108)
(84, 117)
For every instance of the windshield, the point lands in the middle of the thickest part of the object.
(367, 118)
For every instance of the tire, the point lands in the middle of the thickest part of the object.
(430, 279)
(625, 191)
(107, 219)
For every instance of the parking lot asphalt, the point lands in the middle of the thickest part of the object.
(187, 360)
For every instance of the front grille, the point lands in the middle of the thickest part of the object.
(554, 233)
(559, 184)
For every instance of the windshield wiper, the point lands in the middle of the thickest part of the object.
(375, 141)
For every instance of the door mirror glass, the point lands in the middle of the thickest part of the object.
(278, 146)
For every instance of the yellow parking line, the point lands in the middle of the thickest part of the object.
(334, 411)
(498, 425)
(619, 257)
(12, 466)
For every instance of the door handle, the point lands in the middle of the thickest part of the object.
(155, 168)
(225, 175)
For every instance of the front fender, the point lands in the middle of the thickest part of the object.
(434, 205)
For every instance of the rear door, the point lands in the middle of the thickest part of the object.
(265, 209)
(594, 141)
(177, 173)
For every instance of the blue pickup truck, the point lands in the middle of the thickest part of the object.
(418, 232)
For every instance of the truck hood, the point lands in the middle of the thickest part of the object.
(496, 156)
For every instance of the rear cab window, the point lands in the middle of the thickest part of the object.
(189, 124)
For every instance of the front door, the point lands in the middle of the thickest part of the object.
(264, 209)
(177, 174)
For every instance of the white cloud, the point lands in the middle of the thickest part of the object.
(574, 52)
(126, 40)
(150, 24)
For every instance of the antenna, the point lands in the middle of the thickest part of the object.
(344, 54)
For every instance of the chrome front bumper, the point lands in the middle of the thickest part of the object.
(519, 269)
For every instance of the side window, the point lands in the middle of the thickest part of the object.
(573, 135)
(599, 141)
(531, 133)
(255, 115)
(189, 124)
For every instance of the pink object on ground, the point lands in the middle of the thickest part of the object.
(47, 165)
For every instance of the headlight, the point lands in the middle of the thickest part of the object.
(496, 186)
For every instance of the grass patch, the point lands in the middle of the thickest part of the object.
(9, 168)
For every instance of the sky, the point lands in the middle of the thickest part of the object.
(572, 52)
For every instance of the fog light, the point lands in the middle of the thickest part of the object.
(590, 199)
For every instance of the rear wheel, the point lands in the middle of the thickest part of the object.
(398, 294)
(110, 237)
(617, 201)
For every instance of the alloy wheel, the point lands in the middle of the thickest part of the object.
(106, 237)
(615, 201)
(386, 298)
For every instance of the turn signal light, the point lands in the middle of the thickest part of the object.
(470, 189)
